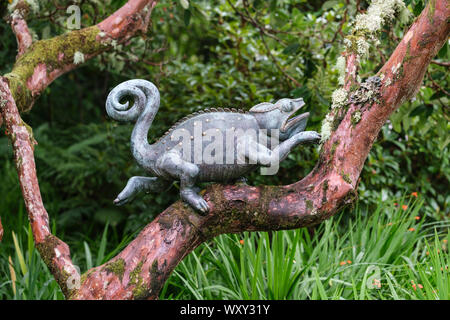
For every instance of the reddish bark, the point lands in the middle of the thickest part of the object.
(141, 269)
(1, 230)
(55, 252)
(322, 193)
(134, 16)
(20, 29)
(351, 65)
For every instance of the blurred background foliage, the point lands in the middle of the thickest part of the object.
(209, 54)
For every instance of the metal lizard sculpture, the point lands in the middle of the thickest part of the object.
(166, 160)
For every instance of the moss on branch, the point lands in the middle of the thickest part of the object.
(55, 54)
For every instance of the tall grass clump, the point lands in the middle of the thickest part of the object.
(390, 253)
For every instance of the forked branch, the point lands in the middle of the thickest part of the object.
(37, 65)
(141, 269)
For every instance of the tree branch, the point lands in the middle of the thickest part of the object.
(34, 70)
(20, 28)
(141, 269)
(53, 251)
(45, 60)
(441, 63)
(147, 262)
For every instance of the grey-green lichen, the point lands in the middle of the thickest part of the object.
(356, 117)
(3, 101)
(368, 25)
(339, 98)
(325, 131)
(378, 13)
(31, 5)
(340, 67)
(78, 57)
(368, 91)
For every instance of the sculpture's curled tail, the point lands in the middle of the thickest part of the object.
(145, 97)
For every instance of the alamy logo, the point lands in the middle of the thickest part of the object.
(74, 20)
(373, 274)
(230, 147)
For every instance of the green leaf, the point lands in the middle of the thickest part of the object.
(329, 4)
(273, 5)
(418, 8)
(437, 95)
(322, 99)
(187, 17)
(443, 52)
(438, 75)
(426, 110)
(23, 265)
(87, 252)
(292, 48)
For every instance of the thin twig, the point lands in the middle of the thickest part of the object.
(440, 63)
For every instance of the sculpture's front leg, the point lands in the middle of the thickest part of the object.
(139, 184)
(260, 154)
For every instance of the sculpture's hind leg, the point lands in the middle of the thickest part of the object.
(138, 184)
(172, 164)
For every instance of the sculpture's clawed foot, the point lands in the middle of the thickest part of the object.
(138, 184)
(132, 188)
(195, 200)
(124, 197)
(308, 137)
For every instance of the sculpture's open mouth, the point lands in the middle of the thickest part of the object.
(293, 120)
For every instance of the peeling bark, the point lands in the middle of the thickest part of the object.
(20, 28)
(37, 65)
(55, 252)
(141, 269)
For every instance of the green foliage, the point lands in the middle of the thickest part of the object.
(208, 54)
(385, 254)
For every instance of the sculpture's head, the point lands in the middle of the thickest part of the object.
(280, 115)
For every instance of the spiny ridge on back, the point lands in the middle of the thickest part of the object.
(199, 112)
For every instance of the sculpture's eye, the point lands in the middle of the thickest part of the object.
(287, 107)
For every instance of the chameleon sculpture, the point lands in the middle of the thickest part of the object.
(175, 156)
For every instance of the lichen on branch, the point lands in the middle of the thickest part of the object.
(365, 28)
